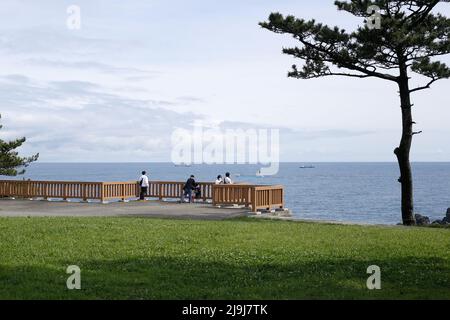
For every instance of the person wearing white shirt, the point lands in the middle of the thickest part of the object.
(219, 180)
(143, 184)
(227, 179)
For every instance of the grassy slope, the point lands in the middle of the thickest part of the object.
(239, 259)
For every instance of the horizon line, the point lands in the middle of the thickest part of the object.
(224, 164)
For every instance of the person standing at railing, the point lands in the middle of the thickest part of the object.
(228, 179)
(143, 184)
(188, 188)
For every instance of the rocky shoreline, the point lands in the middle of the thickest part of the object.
(425, 221)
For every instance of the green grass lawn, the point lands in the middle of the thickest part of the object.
(134, 258)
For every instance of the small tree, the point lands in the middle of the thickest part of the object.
(10, 161)
(399, 37)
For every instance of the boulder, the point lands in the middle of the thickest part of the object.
(441, 222)
(422, 220)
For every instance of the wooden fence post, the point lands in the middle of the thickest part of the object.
(254, 199)
(270, 199)
(102, 192)
(84, 191)
(64, 192)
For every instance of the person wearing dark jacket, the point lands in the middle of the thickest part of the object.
(188, 188)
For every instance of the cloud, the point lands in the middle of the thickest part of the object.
(298, 134)
(132, 73)
(16, 78)
(190, 99)
(80, 121)
(39, 40)
(114, 91)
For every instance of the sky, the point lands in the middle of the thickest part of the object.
(136, 71)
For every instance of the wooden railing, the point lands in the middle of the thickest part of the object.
(256, 197)
(51, 189)
(267, 197)
(95, 190)
(229, 194)
(119, 190)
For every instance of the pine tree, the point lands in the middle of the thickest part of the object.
(10, 162)
(399, 38)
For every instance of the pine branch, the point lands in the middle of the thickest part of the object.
(427, 86)
(10, 161)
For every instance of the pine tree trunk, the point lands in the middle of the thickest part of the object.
(403, 151)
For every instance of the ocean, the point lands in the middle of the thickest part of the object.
(354, 192)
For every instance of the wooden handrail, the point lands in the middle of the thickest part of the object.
(255, 196)
(268, 197)
(95, 190)
(50, 189)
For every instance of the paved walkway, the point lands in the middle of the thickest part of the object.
(38, 208)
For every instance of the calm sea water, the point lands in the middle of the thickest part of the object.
(358, 192)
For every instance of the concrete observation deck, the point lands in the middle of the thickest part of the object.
(156, 209)
(211, 201)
